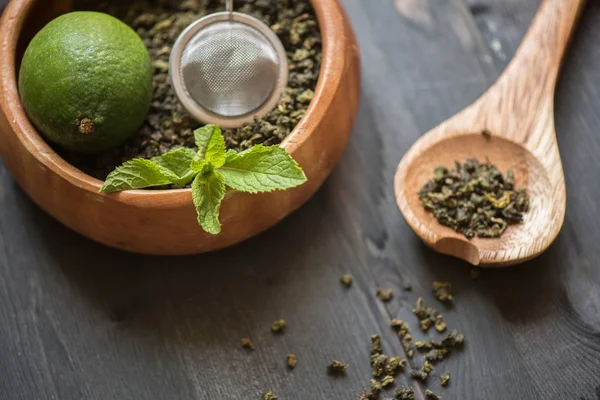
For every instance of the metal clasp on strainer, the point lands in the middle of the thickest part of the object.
(227, 68)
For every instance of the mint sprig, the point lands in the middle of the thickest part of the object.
(211, 169)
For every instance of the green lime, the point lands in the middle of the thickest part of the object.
(86, 81)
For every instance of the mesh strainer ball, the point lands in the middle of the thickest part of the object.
(227, 68)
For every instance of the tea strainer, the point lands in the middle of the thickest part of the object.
(228, 67)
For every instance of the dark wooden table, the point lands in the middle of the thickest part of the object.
(81, 321)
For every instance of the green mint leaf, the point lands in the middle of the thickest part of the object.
(261, 169)
(137, 174)
(201, 166)
(211, 145)
(178, 161)
(208, 191)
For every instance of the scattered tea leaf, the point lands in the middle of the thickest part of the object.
(387, 381)
(337, 367)
(378, 362)
(384, 294)
(423, 373)
(375, 390)
(247, 344)
(436, 354)
(402, 329)
(428, 316)
(270, 396)
(291, 361)
(376, 344)
(396, 323)
(443, 291)
(405, 393)
(363, 395)
(430, 395)
(440, 325)
(444, 379)
(419, 375)
(422, 345)
(279, 325)
(395, 365)
(346, 280)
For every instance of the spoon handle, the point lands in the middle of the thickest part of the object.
(542, 51)
(520, 105)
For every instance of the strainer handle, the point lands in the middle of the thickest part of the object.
(229, 5)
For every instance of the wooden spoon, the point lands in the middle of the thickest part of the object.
(518, 110)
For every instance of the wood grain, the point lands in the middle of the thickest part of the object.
(132, 220)
(519, 112)
(80, 321)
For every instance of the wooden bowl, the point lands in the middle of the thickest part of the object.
(164, 221)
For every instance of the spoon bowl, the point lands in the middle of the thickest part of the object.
(506, 155)
(518, 111)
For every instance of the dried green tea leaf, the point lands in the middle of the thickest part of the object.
(427, 367)
(474, 199)
(279, 325)
(395, 365)
(430, 395)
(387, 381)
(363, 395)
(378, 364)
(337, 367)
(443, 291)
(384, 294)
(423, 373)
(422, 345)
(397, 323)
(346, 280)
(376, 344)
(436, 354)
(247, 344)
(270, 396)
(444, 379)
(291, 361)
(419, 375)
(405, 393)
(404, 334)
(375, 390)
(440, 325)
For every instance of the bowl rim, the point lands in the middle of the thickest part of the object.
(12, 23)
